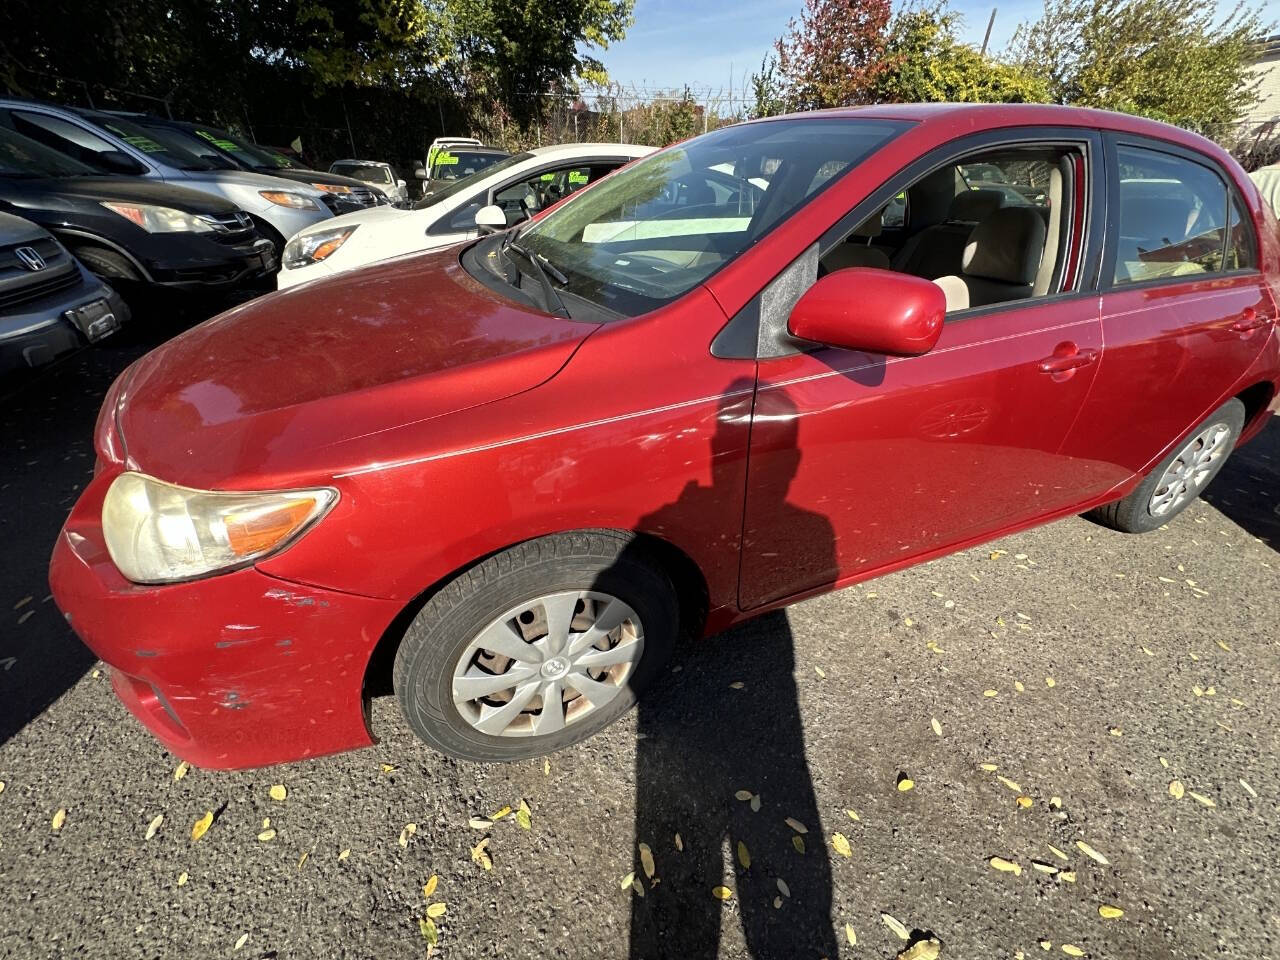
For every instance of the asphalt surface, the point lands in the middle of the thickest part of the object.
(1091, 669)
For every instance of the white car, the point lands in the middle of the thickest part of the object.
(501, 195)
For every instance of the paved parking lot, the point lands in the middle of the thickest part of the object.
(1096, 675)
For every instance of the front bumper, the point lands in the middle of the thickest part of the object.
(35, 333)
(235, 670)
(206, 264)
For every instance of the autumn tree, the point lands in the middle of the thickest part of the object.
(1173, 60)
(925, 61)
(832, 56)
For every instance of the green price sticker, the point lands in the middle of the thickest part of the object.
(576, 176)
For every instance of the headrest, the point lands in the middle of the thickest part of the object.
(1007, 246)
(975, 205)
(869, 227)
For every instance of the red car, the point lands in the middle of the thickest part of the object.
(774, 360)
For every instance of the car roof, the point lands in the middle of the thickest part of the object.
(975, 117)
(363, 163)
(471, 148)
(571, 150)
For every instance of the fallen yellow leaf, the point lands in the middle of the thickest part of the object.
(990, 693)
(409, 830)
(430, 886)
(744, 795)
(1071, 950)
(646, 860)
(1024, 801)
(797, 841)
(737, 685)
(201, 826)
(1176, 789)
(278, 792)
(744, 856)
(154, 825)
(1019, 687)
(59, 818)
(1006, 866)
(1108, 912)
(922, 950)
(989, 767)
(1044, 867)
(783, 888)
(626, 881)
(479, 823)
(1091, 853)
(480, 854)
(244, 938)
(427, 927)
(387, 767)
(303, 859)
(1249, 790)
(721, 893)
(524, 816)
(500, 814)
(436, 910)
(905, 783)
(841, 843)
(266, 835)
(853, 814)
(1058, 853)
(896, 925)
(1010, 784)
(181, 771)
(1068, 875)
(850, 935)
(1201, 799)
(344, 854)
(1050, 682)
(182, 878)
(546, 767)
(937, 727)
(822, 674)
(796, 825)
(679, 844)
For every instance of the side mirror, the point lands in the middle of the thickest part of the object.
(117, 161)
(878, 311)
(401, 184)
(420, 173)
(491, 218)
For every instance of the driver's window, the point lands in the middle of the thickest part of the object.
(529, 196)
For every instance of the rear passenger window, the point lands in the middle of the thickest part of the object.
(1241, 251)
(1173, 220)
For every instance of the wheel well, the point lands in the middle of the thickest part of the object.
(691, 592)
(1256, 399)
(111, 263)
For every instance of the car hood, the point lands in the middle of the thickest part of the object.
(247, 178)
(310, 381)
(376, 215)
(17, 230)
(134, 190)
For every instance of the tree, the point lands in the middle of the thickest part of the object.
(767, 93)
(831, 58)
(1172, 60)
(926, 62)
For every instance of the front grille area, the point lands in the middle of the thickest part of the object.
(230, 228)
(20, 284)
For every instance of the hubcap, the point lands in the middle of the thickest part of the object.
(1191, 470)
(547, 663)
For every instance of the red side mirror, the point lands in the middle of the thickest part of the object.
(879, 311)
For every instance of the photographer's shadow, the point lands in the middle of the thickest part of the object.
(724, 722)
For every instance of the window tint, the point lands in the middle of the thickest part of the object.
(73, 140)
(533, 194)
(1172, 217)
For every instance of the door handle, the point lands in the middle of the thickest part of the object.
(1066, 358)
(1248, 320)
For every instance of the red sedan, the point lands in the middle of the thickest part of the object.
(774, 360)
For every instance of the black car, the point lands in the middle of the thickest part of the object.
(135, 233)
(227, 151)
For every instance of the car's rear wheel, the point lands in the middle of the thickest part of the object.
(536, 648)
(1169, 488)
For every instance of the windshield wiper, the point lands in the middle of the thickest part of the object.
(550, 297)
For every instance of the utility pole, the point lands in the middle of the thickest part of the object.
(987, 36)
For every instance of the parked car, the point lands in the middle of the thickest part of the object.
(226, 151)
(514, 189)
(526, 467)
(374, 172)
(134, 232)
(49, 304)
(117, 145)
(453, 163)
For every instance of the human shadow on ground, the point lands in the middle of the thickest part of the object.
(1247, 490)
(722, 780)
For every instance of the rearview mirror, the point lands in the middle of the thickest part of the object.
(878, 311)
(491, 218)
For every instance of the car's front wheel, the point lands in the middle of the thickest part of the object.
(1168, 489)
(536, 648)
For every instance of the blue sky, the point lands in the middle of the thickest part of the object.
(674, 42)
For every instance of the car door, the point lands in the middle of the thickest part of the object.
(1185, 309)
(909, 456)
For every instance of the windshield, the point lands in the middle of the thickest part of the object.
(456, 164)
(365, 172)
(162, 144)
(189, 142)
(247, 153)
(23, 157)
(461, 185)
(652, 231)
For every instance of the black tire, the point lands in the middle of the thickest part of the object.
(106, 264)
(606, 561)
(1133, 513)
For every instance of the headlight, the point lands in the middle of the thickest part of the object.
(283, 198)
(308, 248)
(158, 532)
(155, 219)
(332, 187)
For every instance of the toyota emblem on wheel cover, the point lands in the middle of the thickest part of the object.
(30, 258)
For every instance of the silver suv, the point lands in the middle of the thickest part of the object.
(119, 145)
(49, 303)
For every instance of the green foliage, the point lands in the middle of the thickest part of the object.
(767, 90)
(928, 63)
(1173, 60)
